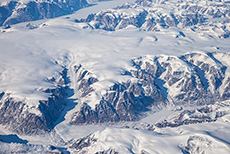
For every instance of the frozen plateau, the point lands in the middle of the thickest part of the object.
(114, 77)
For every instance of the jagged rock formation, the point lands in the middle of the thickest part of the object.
(194, 78)
(83, 142)
(205, 114)
(122, 101)
(80, 145)
(22, 119)
(196, 144)
(191, 79)
(16, 11)
(147, 15)
(109, 151)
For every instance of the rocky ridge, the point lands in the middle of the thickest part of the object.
(210, 113)
(200, 16)
(193, 79)
(18, 11)
(18, 117)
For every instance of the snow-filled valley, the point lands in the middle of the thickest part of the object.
(116, 77)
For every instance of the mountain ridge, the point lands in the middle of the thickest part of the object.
(19, 11)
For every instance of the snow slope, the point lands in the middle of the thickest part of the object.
(136, 141)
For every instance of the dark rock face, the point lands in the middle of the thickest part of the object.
(85, 80)
(17, 116)
(52, 107)
(13, 13)
(109, 151)
(79, 145)
(6, 11)
(191, 79)
(83, 142)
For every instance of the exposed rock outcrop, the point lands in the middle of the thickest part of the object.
(19, 117)
(148, 16)
(16, 11)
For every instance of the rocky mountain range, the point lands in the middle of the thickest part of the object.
(152, 16)
(159, 81)
(128, 79)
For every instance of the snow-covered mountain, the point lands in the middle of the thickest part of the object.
(192, 79)
(21, 118)
(16, 11)
(199, 15)
(115, 77)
